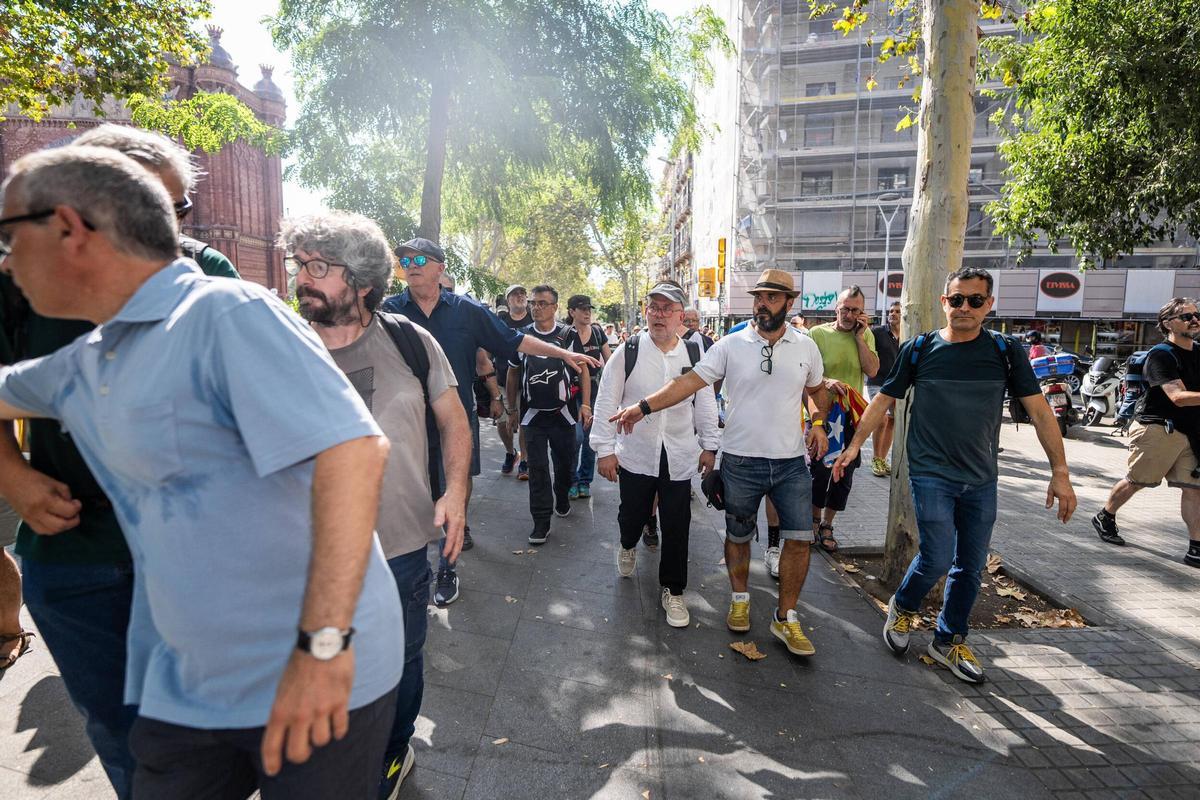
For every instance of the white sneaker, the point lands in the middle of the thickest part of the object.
(677, 612)
(771, 559)
(626, 561)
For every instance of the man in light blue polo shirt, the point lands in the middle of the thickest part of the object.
(244, 470)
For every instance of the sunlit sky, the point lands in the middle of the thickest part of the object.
(246, 39)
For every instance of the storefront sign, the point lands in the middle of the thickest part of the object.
(888, 289)
(1060, 291)
(820, 290)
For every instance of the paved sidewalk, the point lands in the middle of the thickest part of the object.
(591, 694)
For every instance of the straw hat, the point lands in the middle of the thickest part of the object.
(775, 280)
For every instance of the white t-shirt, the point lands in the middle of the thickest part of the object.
(764, 410)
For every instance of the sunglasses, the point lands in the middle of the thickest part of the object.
(413, 261)
(1187, 316)
(767, 364)
(975, 300)
(6, 236)
(183, 208)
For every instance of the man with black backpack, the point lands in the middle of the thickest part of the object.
(659, 458)
(957, 377)
(547, 412)
(342, 266)
(1164, 436)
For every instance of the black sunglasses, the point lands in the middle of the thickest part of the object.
(767, 351)
(183, 207)
(34, 216)
(1187, 316)
(975, 300)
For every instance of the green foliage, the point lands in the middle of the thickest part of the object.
(1104, 144)
(532, 84)
(52, 50)
(206, 121)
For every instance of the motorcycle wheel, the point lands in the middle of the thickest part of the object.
(1094, 415)
(1074, 381)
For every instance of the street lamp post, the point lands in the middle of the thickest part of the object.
(894, 199)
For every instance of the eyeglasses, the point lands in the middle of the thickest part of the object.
(183, 207)
(413, 261)
(767, 365)
(540, 303)
(660, 311)
(851, 311)
(976, 300)
(6, 236)
(1187, 316)
(317, 267)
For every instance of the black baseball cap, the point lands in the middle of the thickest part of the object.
(579, 301)
(423, 247)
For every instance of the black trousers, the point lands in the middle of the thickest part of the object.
(558, 438)
(828, 493)
(197, 764)
(674, 516)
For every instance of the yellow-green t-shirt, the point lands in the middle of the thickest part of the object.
(839, 351)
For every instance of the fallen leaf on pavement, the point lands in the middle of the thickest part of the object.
(924, 659)
(500, 741)
(1010, 591)
(646, 795)
(530, 551)
(602, 766)
(1002, 619)
(993, 563)
(850, 568)
(508, 598)
(748, 649)
(518, 552)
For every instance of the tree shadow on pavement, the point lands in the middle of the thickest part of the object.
(58, 732)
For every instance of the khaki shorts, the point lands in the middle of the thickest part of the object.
(1155, 454)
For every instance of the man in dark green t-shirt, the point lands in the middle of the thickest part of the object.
(78, 572)
(957, 377)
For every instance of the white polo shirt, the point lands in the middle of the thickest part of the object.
(764, 410)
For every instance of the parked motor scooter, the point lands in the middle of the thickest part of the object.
(1051, 372)
(1134, 386)
(1100, 390)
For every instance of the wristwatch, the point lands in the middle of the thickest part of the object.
(645, 407)
(324, 644)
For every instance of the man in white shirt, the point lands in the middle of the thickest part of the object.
(767, 370)
(660, 457)
(691, 330)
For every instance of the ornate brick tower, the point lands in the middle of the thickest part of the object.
(238, 201)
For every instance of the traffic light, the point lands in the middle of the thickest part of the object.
(721, 256)
(706, 282)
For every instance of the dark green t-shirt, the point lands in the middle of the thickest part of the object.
(956, 404)
(98, 538)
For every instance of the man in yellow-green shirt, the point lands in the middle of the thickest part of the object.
(848, 350)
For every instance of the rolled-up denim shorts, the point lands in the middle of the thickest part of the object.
(748, 479)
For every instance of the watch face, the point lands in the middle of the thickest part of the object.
(325, 644)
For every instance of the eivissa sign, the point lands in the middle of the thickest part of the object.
(1060, 284)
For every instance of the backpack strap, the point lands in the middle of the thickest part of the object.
(1004, 346)
(693, 351)
(412, 350)
(192, 248)
(631, 353)
(919, 346)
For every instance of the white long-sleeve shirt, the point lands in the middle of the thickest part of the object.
(683, 430)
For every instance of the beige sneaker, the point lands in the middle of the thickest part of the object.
(677, 612)
(626, 561)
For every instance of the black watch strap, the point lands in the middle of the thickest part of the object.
(645, 407)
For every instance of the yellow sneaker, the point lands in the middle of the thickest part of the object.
(791, 634)
(738, 618)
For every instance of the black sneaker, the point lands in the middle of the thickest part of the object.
(650, 535)
(509, 460)
(1106, 528)
(468, 542)
(447, 587)
(563, 509)
(1192, 558)
(539, 535)
(394, 773)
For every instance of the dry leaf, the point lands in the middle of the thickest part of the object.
(508, 598)
(500, 741)
(518, 552)
(701, 759)
(748, 649)
(1010, 591)
(602, 766)
(850, 568)
(646, 795)
(1002, 619)
(993, 563)
(924, 659)
(530, 551)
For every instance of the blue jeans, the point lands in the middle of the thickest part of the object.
(82, 614)
(587, 457)
(747, 479)
(955, 522)
(413, 576)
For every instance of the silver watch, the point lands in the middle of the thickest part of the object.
(324, 644)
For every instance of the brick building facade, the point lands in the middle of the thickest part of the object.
(238, 200)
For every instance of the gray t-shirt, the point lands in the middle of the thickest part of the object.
(393, 395)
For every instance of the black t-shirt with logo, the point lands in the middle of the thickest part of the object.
(1161, 368)
(549, 379)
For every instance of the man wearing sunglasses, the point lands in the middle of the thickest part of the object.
(265, 639)
(768, 369)
(461, 325)
(78, 568)
(957, 377)
(1163, 437)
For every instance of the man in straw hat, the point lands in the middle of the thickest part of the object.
(767, 370)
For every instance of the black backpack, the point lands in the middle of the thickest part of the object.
(546, 382)
(412, 350)
(1139, 407)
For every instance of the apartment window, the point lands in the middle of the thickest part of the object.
(816, 184)
(975, 222)
(822, 89)
(818, 130)
(893, 179)
(975, 176)
(888, 132)
(821, 28)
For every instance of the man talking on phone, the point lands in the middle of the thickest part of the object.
(848, 349)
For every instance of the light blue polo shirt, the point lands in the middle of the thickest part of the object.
(199, 408)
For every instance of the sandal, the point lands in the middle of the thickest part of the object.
(826, 540)
(18, 651)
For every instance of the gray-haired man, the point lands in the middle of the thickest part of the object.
(342, 264)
